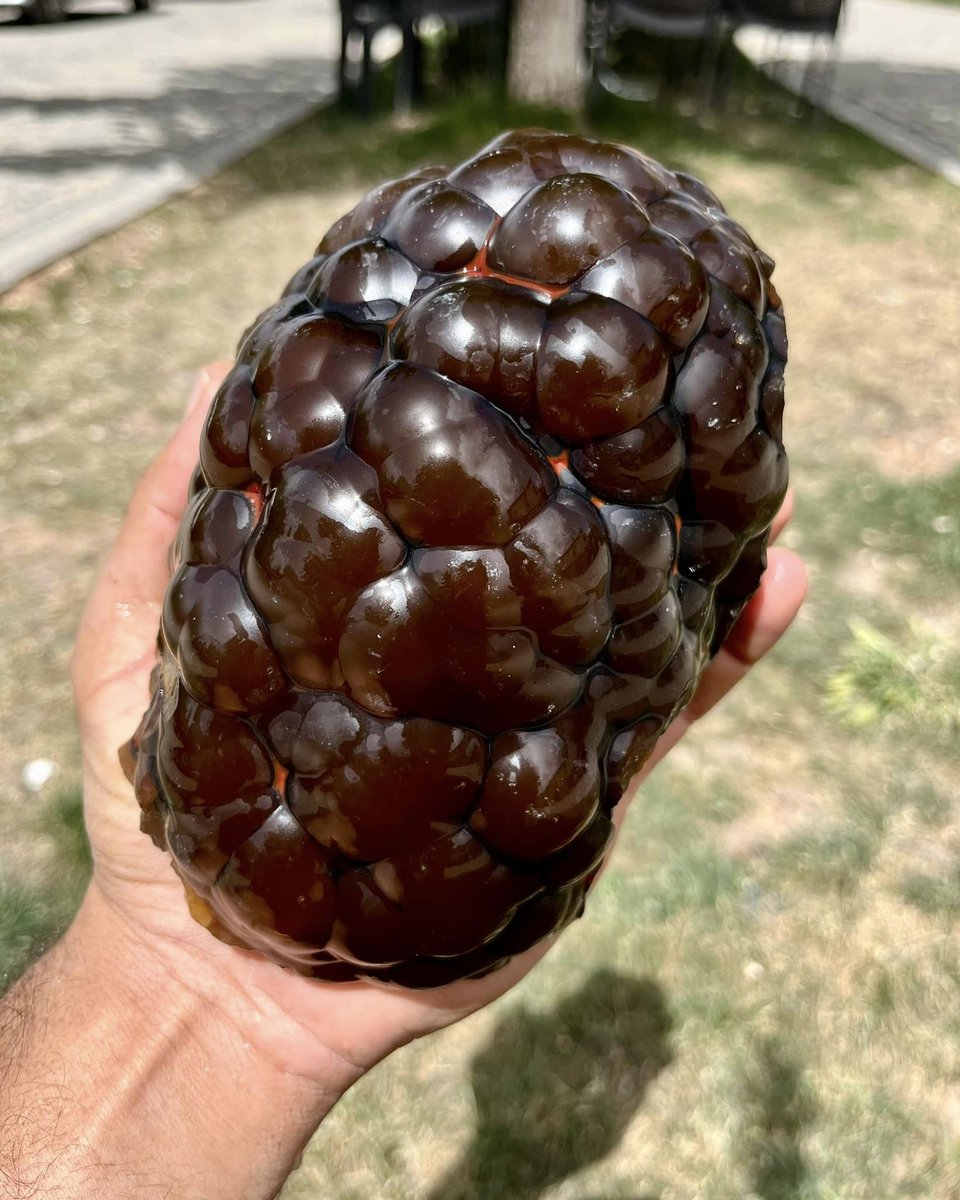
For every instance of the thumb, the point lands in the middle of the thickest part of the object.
(135, 575)
(137, 570)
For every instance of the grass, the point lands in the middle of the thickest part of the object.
(762, 998)
(554, 1092)
(34, 912)
(934, 894)
(883, 680)
(776, 1108)
(26, 927)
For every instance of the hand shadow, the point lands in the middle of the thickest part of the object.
(556, 1092)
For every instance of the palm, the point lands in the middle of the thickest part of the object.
(114, 655)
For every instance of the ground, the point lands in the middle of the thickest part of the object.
(179, 91)
(762, 998)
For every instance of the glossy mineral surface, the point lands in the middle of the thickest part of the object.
(485, 489)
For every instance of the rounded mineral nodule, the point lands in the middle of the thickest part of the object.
(485, 490)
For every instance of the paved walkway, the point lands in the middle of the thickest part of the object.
(106, 115)
(897, 76)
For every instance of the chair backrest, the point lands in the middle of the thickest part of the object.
(369, 12)
(463, 12)
(799, 16)
(622, 10)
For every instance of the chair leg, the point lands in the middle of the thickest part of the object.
(805, 78)
(344, 47)
(417, 82)
(709, 67)
(663, 69)
(406, 71)
(724, 65)
(827, 73)
(367, 76)
(830, 68)
(496, 46)
(597, 35)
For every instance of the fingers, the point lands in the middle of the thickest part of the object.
(137, 566)
(760, 626)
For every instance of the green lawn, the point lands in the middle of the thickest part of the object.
(762, 999)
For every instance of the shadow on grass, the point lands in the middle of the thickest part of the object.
(556, 1091)
(778, 1107)
(935, 895)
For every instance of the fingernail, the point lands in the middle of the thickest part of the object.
(779, 568)
(787, 564)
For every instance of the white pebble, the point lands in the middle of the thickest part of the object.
(754, 971)
(36, 773)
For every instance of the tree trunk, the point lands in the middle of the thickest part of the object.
(546, 52)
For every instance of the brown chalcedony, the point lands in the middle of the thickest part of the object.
(485, 489)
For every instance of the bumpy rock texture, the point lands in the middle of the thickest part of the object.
(482, 494)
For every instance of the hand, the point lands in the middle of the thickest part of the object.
(141, 1054)
(311, 1025)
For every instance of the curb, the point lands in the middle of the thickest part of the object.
(904, 141)
(74, 225)
(908, 142)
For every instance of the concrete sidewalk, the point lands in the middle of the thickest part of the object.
(105, 116)
(896, 75)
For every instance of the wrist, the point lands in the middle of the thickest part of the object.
(130, 1077)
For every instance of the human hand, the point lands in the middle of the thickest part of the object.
(355, 1023)
(141, 1052)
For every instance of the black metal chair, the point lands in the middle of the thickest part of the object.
(459, 13)
(363, 20)
(789, 16)
(818, 18)
(701, 20)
